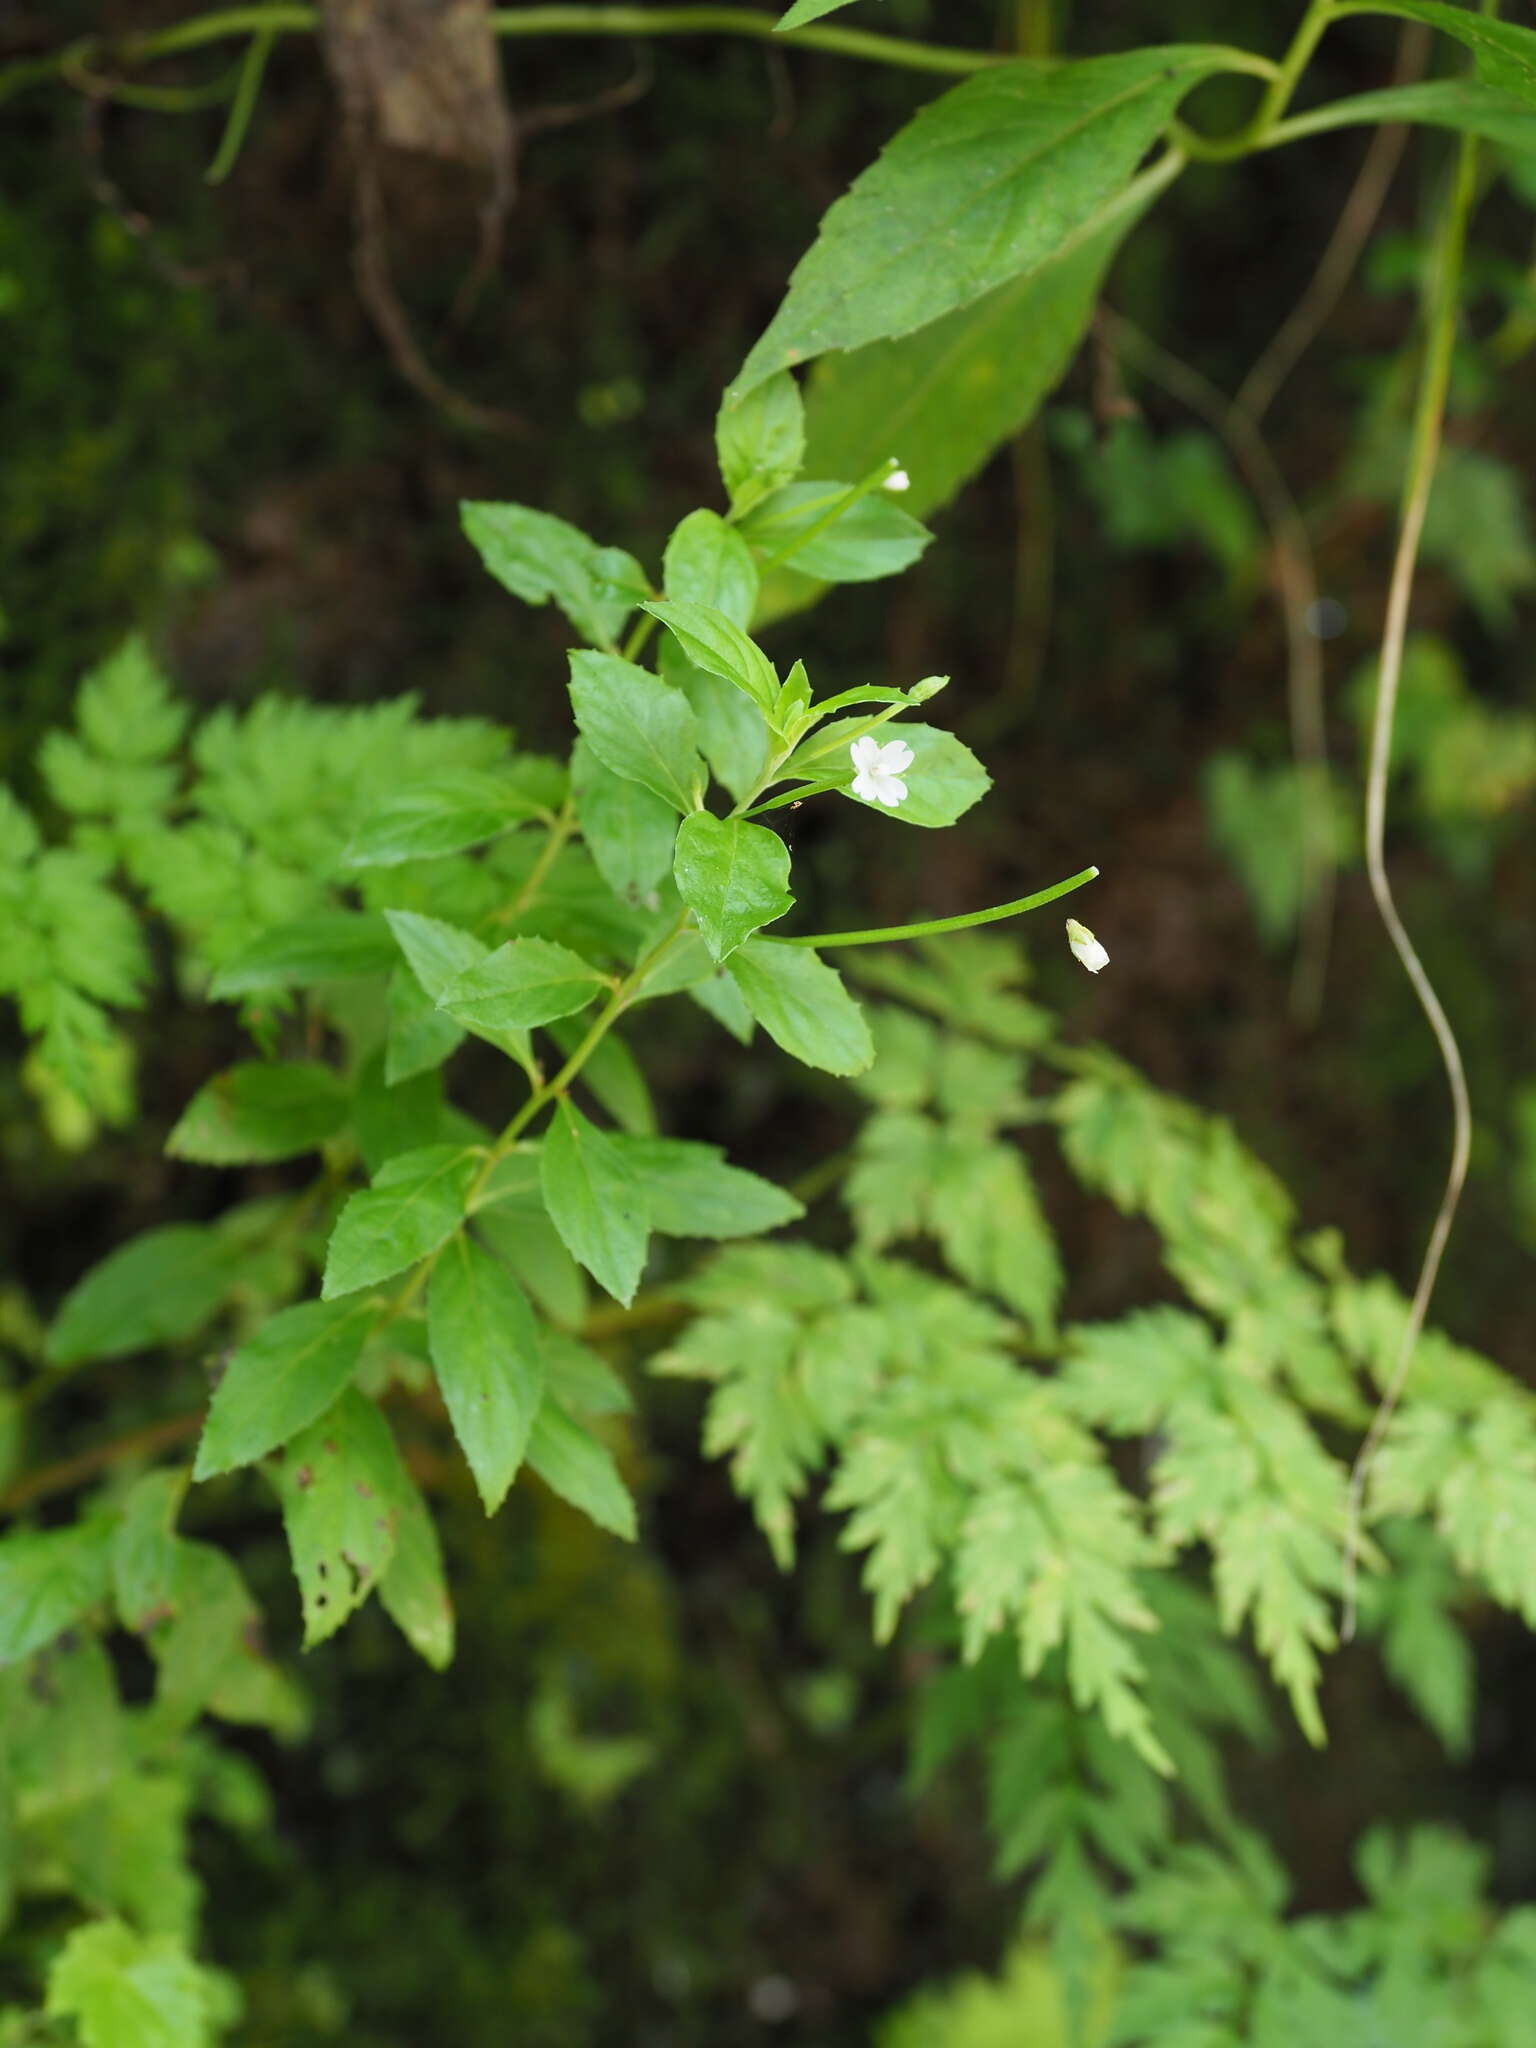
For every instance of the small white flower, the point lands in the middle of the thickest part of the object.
(898, 480)
(1085, 946)
(880, 769)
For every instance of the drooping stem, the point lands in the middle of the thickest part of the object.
(227, 24)
(934, 925)
(1283, 80)
(1424, 450)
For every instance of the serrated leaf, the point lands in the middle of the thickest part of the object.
(708, 562)
(985, 1213)
(159, 1288)
(438, 953)
(125, 709)
(733, 731)
(594, 1201)
(572, 1463)
(985, 184)
(416, 1202)
(628, 829)
(802, 1005)
(258, 1112)
(421, 1036)
(692, 1192)
(428, 820)
(292, 1370)
(144, 1549)
(716, 644)
(485, 1352)
(337, 945)
(343, 1491)
(733, 877)
(538, 557)
(48, 1579)
(130, 1990)
(523, 983)
(638, 726)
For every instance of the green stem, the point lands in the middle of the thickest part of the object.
(639, 634)
(945, 924)
(1442, 298)
(1283, 81)
(252, 70)
(227, 23)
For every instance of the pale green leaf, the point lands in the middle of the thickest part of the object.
(595, 1201)
(985, 184)
(628, 829)
(733, 877)
(416, 1201)
(292, 1370)
(427, 820)
(760, 440)
(414, 1588)
(714, 642)
(336, 945)
(159, 1288)
(943, 782)
(523, 983)
(130, 1990)
(259, 1112)
(343, 1491)
(638, 726)
(573, 1463)
(48, 1579)
(708, 562)
(692, 1191)
(802, 1005)
(872, 537)
(485, 1352)
(538, 557)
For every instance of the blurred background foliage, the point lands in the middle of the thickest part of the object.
(661, 1798)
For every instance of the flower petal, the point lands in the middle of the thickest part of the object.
(896, 757)
(866, 754)
(891, 791)
(865, 785)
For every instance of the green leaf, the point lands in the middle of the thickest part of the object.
(125, 709)
(416, 1201)
(805, 11)
(947, 397)
(872, 537)
(716, 644)
(733, 877)
(48, 1579)
(760, 440)
(1463, 104)
(538, 557)
(427, 820)
(438, 953)
(986, 1214)
(733, 732)
(1505, 55)
(414, 1588)
(628, 829)
(159, 1288)
(693, 1192)
(129, 1990)
(943, 782)
(985, 184)
(337, 945)
(523, 983)
(259, 1112)
(708, 562)
(421, 1036)
(638, 726)
(401, 1118)
(802, 1005)
(343, 1491)
(485, 1352)
(144, 1548)
(572, 1463)
(292, 1370)
(594, 1201)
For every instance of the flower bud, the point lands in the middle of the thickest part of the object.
(1085, 947)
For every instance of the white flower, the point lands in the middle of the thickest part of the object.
(1085, 946)
(898, 480)
(880, 770)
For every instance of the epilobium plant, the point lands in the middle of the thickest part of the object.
(380, 897)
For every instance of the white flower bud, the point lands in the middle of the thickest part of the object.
(1085, 947)
(898, 480)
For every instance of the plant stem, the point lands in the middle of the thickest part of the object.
(1277, 95)
(227, 23)
(944, 924)
(1428, 430)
